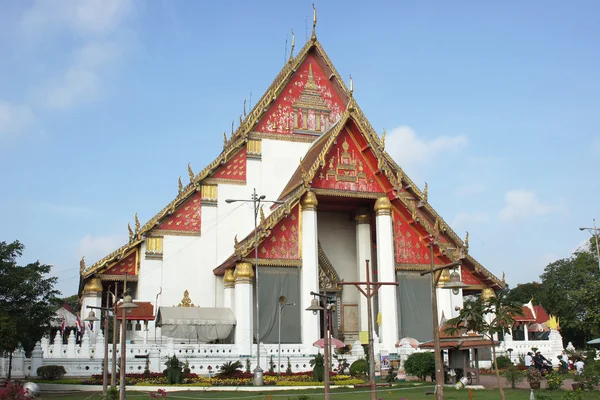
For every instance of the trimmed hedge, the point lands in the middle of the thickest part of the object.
(51, 372)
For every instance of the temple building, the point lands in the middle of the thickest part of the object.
(338, 200)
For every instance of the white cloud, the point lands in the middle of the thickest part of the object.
(101, 30)
(411, 151)
(524, 203)
(14, 119)
(464, 219)
(96, 247)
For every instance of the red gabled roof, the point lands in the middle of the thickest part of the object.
(143, 312)
(541, 314)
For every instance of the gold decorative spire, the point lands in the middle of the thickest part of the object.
(293, 45)
(82, 264)
(235, 241)
(383, 140)
(425, 192)
(400, 177)
(351, 86)
(241, 121)
(244, 107)
(262, 215)
(467, 240)
(504, 279)
(224, 139)
(130, 231)
(180, 185)
(190, 172)
(186, 301)
(232, 128)
(314, 30)
(137, 223)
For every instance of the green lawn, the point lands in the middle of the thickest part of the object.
(395, 393)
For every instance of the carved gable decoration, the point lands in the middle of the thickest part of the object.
(468, 278)
(307, 105)
(346, 169)
(185, 219)
(234, 169)
(282, 243)
(408, 247)
(126, 265)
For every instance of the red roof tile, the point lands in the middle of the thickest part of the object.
(144, 312)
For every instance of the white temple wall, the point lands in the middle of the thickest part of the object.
(182, 256)
(280, 159)
(150, 277)
(337, 234)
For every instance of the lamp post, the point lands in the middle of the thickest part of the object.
(92, 317)
(455, 284)
(256, 200)
(315, 308)
(594, 231)
(282, 303)
(127, 306)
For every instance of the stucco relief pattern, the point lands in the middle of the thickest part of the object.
(235, 169)
(468, 278)
(126, 265)
(408, 247)
(299, 101)
(186, 218)
(346, 169)
(282, 244)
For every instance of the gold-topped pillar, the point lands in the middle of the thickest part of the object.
(229, 289)
(244, 308)
(363, 252)
(388, 330)
(310, 267)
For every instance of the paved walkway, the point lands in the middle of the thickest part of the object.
(490, 381)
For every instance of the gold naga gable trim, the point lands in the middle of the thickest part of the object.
(413, 267)
(262, 262)
(285, 138)
(165, 232)
(215, 181)
(346, 193)
(119, 278)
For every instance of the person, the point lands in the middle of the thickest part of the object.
(528, 360)
(564, 366)
(541, 362)
(579, 366)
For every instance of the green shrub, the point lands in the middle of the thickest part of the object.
(229, 368)
(112, 393)
(391, 376)
(359, 368)
(288, 370)
(420, 365)
(271, 365)
(248, 366)
(51, 372)
(318, 365)
(503, 362)
(513, 376)
(590, 377)
(173, 371)
(574, 395)
(554, 380)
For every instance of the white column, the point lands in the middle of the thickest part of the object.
(244, 307)
(229, 290)
(388, 331)
(363, 252)
(310, 269)
(92, 296)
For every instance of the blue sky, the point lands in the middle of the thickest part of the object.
(494, 104)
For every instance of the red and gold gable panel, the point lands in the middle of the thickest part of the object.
(408, 246)
(126, 265)
(186, 218)
(234, 169)
(308, 104)
(282, 244)
(346, 169)
(468, 278)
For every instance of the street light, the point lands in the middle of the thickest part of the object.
(594, 232)
(315, 308)
(282, 303)
(256, 200)
(127, 306)
(92, 318)
(455, 284)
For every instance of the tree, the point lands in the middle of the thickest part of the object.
(570, 291)
(524, 292)
(488, 318)
(26, 301)
(71, 301)
(420, 365)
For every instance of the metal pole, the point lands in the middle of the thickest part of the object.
(370, 328)
(326, 349)
(439, 371)
(279, 342)
(258, 372)
(123, 339)
(597, 245)
(113, 372)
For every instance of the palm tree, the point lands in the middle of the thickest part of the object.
(486, 317)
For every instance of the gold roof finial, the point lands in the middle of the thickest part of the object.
(467, 240)
(180, 189)
(293, 45)
(82, 264)
(137, 223)
(241, 121)
(235, 241)
(190, 172)
(504, 281)
(383, 140)
(351, 86)
(262, 215)
(224, 139)
(425, 192)
(232, 128)
(244, 107)
(314, 30)
(302, 170)
(130, 231)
